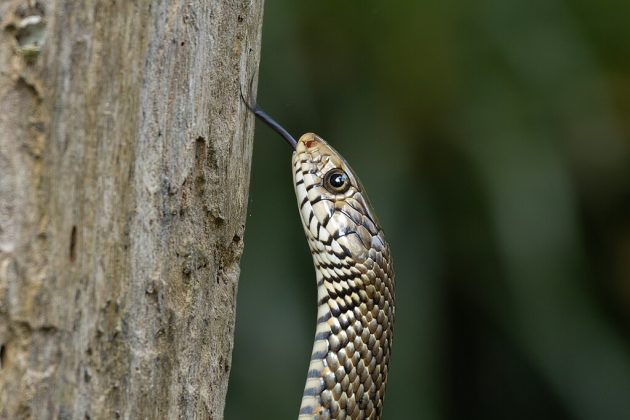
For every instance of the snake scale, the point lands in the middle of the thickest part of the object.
(348, 370)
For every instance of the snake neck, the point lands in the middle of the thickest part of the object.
(347, 373)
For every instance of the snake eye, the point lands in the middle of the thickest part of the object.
(336, 181)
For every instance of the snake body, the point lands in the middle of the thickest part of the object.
(347, 374)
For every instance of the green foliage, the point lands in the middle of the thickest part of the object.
(494, 140)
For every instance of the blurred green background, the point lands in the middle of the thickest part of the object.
(493, 138)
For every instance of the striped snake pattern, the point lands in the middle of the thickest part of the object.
(347, 374)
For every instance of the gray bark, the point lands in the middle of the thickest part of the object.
(124, 170)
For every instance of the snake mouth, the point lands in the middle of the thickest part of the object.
(310, 140)
(312, 143)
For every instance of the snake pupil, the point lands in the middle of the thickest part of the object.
(337, 181)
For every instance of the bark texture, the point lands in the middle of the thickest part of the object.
(124, 169)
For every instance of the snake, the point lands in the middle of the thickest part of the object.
(347, 374)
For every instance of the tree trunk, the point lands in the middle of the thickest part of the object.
(124, 169)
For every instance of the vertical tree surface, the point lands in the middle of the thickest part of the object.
(124, 170)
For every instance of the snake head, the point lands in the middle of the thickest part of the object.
(335, 211)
